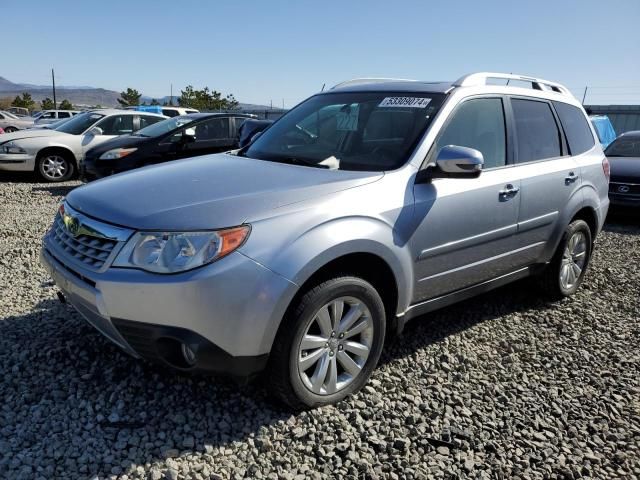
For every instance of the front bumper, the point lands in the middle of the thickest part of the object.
(227, 312)
(624, 200)
(17, 163)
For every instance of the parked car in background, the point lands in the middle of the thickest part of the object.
(50, 116)
(12, 123)
(50, 126)
(249, 129)
(624, 157)
(175, 111)
(175, 138)
(604, 129)
(19, 111)
(362, 207)
(56, 154)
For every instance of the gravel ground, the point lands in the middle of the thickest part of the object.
(502, 386)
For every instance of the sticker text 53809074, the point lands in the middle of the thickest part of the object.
(405, 102)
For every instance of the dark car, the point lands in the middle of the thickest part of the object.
(178, 137)
(624, 158)
(250, 129)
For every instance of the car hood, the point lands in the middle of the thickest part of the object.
(35, 133)
(207, 192)
(623, 168)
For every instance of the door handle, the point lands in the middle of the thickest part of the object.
(572, 177)
(509, 191)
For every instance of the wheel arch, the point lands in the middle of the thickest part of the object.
(56, 149)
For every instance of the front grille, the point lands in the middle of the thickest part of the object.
(91, 252)
(628, 188)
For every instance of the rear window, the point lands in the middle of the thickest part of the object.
(536, 129)
(576, 128)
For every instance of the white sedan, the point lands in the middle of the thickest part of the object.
(56, 154)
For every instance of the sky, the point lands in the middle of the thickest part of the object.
(265, 51)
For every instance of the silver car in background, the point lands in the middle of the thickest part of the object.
(363, 207)
(12, 123)
(55, 154)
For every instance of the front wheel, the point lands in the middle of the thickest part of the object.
(565, 272)
(55, 167)
(10, 130)
(329, 344)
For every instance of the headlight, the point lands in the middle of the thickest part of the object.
(11, 147)
(117, 153)
(172, 252)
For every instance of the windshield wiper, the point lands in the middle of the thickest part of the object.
(298, 161)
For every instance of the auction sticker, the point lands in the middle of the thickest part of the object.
(405, 102)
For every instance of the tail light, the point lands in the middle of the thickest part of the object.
(606, 168)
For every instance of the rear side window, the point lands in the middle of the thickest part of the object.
(147, 120)
(575, 127)
(536, 129)
(170, 113)
(479, 124)
(64, 115)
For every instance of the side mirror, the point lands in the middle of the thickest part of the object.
(458, 162)
(188, 136)
(95, 131)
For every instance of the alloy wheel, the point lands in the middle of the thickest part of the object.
(335, 345)
(54, 167)
(573, 260)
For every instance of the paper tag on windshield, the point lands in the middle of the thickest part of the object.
(405, 102)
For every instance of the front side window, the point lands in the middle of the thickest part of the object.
(624, 147)
(576, 128)
(479, 124)
(80, 123)
(117, 125)
(371, 131)
(146, 120)
(536, 129)
(212, 129)
(49, 115)
(64, 114)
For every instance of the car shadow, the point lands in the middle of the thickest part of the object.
(72, 381)
(623, 220)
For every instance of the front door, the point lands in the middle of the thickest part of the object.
(466, 228)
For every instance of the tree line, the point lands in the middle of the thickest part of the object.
(203, 99)
(26, 101)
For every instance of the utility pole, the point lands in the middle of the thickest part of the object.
(171, 97)
(53, 78)
(585, 94)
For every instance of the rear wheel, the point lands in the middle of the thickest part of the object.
(10, 130)
(55, 167)
(564, 274)
(329, 344)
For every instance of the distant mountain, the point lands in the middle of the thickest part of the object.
(87, 96)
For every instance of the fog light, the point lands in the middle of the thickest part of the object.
(188, 354)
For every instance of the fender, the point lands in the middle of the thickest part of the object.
(303, 255)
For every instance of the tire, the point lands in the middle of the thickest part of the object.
(563, 276)
(329, 376)
(55, 167)
(10, 130)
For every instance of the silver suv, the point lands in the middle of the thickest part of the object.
(363, 207)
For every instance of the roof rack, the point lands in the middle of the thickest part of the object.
(480, 78)
(364, 81)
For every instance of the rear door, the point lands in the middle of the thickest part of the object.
(467, 226)
(549, 175)
(211, 136)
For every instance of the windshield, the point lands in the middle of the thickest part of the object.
(371, 131)
(80, 123)
(160, 128)
(624, 147)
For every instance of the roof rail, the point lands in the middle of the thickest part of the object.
(364, 81)
(480, 78)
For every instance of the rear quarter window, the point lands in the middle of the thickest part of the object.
(576, 128)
